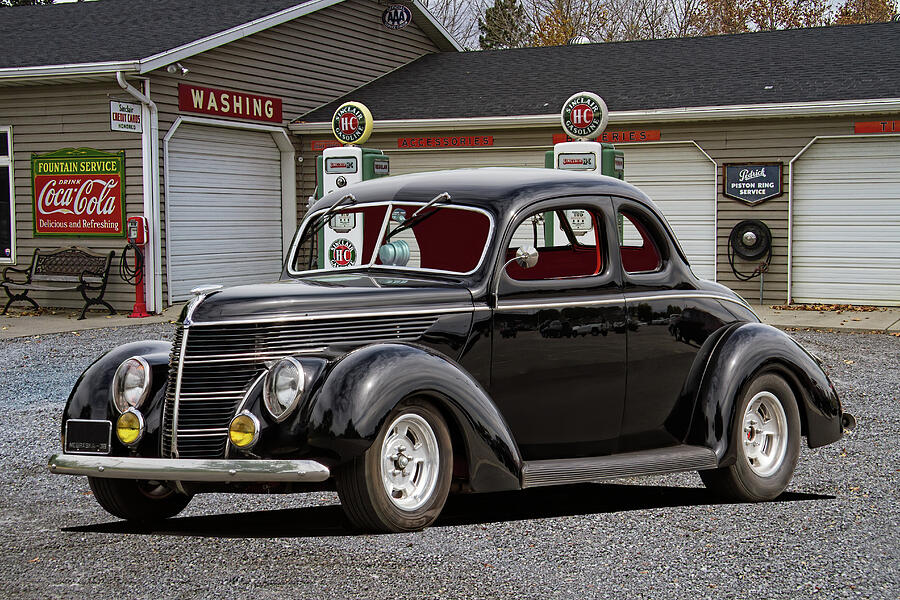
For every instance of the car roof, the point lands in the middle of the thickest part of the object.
(496, 189)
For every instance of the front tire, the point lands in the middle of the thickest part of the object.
(144, 502)
(767, 435)
(403, 479)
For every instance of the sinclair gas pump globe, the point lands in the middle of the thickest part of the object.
(340, 241)
(584, 117)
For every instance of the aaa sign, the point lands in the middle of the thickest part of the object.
(78, 193)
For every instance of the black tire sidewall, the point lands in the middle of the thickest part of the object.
(754, 485)
(390, 514)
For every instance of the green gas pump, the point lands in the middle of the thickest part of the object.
(584, 117)
(341, 167)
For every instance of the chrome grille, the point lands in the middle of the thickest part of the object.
(221, 362)
(169, 406)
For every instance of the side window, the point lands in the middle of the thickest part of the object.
(640, 252)
(7, 199)
(568, 241)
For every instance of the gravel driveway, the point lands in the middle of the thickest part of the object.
(834, 534)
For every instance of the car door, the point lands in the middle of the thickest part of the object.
(558, 362)
(668, 321)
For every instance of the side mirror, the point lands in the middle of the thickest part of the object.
(526, 256)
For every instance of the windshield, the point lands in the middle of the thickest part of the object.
(440, 238)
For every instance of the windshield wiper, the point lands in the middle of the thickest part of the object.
(320, 221)
(415, 219)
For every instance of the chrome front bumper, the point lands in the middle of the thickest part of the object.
(189, 469)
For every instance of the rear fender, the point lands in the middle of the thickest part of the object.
(350, 406)
(743, 352)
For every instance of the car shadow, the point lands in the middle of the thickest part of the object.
(469, 509)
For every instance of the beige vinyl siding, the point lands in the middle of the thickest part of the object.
(306, 62)
(48, 118)
(752, 140)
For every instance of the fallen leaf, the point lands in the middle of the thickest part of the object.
(849, 362)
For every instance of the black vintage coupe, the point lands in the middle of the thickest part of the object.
(428, 336)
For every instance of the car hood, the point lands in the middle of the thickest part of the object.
(328, 295)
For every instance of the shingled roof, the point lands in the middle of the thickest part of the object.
(118, 30)
(799, 65)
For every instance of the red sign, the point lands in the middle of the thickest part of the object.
(78, 193)
(614, 137)
(456, 141)
(877, 127)
(319, 145)
(227, 103)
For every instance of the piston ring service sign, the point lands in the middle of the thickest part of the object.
(584, 116)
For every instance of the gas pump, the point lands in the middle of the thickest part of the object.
(339, 243)
(136, 233)
(584, 117)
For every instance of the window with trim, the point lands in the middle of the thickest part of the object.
(7, 199)
(568, 241)
(640, 252)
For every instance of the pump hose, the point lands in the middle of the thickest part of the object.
(134, 275)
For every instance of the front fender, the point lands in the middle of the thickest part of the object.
(743, 352)
(91, 397)
(347, 411)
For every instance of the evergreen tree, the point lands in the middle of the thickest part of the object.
(503, 25)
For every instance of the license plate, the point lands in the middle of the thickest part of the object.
(88, 437)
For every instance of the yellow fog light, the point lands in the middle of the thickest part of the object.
(130, 427)
(244, 430)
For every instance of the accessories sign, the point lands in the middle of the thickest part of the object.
(752, 183)
(78, 193)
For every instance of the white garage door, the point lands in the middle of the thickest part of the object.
(224, 208)
(682, 182)
(845, 239)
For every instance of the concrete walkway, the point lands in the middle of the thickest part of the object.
(21, 323)
(28, 322)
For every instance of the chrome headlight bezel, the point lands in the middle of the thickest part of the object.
(118, 381)
(270, 393)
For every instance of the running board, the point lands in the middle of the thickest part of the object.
(538, 473)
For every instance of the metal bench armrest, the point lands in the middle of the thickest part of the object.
(25, 270)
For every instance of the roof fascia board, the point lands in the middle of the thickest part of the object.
(441, 30)
(230, 35)
(698, 113)
(68, 70)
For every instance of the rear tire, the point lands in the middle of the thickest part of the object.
(766, 433)
(138, 501)
(402, 481)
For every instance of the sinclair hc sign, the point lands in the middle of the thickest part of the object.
(78, 192)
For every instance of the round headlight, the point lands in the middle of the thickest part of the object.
(243, 431)
(131, 383)
(283, 387)
(130, 427)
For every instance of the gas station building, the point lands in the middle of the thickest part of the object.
(222, 112)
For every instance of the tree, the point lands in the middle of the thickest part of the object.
(864, 11)
(637, 20)
(557, 22)
(719, 17)
(457, 17)
(503, 25)
(787, 14)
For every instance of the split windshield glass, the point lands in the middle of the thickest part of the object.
(441, 237)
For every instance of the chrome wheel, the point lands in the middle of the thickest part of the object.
(765, 434)
(410, 459)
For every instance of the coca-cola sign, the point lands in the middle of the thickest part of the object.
(78, 193)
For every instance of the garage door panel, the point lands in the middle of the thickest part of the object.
(846, 222)
(224, 208)
(682, 182)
